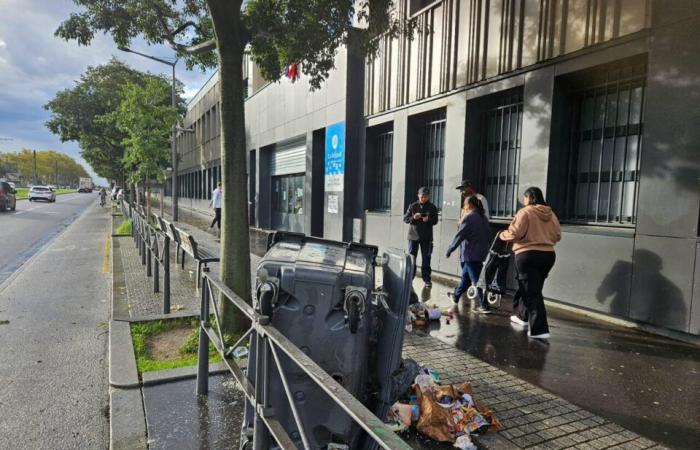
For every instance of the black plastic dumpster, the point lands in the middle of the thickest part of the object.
(323, 296)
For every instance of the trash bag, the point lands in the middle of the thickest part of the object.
(402, 379)
(435, 421)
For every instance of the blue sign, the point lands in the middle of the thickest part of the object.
(335, 157)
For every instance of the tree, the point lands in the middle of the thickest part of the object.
(275, 33)
(145, 116)
(52, 167)
(76, 114)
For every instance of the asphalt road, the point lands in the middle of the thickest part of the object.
(24, 231)
(53, 330)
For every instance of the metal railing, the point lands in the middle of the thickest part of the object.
(154, 248)
(270, 344)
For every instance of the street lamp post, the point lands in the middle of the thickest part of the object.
(173, 147)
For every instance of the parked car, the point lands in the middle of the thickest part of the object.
(8, 198)
(41, 193)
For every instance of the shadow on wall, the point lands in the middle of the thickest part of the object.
(657, 300)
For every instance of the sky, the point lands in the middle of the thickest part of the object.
(34, 65)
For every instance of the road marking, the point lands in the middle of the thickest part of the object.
(105, 260)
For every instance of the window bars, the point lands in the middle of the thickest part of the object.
(606, 141)
(432, 171)
(383, 159)
(502, 154)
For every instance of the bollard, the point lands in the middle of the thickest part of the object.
(166, 275)
(148, 260)
(156, 271)
(203, 348)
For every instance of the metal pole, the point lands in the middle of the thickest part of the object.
(166, 275)
(174, 154)
(203, 350)
(156, 268)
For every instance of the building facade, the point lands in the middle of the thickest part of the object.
(591, 100)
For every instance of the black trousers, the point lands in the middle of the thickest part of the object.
(533, 268)
(217, 218)
(426, 251)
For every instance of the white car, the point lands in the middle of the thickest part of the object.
(41, 193)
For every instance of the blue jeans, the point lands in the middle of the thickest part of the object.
(470, 276)
(426, 250)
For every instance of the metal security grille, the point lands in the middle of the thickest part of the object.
(433, 162)
(502, 154)
(603, 172)
(384, 156)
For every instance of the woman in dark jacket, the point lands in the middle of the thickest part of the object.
(473, 238)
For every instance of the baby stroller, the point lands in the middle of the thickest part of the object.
(492, 280)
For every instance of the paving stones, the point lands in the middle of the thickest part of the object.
(533, 418)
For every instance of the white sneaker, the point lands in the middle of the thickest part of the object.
(516, 319)
(538, 336)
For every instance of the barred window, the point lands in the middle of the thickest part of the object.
(383, 157)
(502, 154)
(603, 170)
(432, 170)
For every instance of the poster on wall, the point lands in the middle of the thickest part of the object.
(335, 157)
(333, 204)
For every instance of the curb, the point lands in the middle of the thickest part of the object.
(122, 361)
(127, 420)
(181, 373)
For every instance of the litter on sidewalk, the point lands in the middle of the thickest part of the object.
(420, 314)
(444, 413)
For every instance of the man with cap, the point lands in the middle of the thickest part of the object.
(422, 217)
(467, 190)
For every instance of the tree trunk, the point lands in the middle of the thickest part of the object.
(235, 244)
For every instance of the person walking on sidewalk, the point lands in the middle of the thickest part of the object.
(216, 204)
(534, 232)
(473, 239)
(422, 217)
(467, 189)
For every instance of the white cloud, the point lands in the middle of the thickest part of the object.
(3, 44)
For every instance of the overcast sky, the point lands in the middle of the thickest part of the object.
(34, 65)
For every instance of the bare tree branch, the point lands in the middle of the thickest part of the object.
(169, 37)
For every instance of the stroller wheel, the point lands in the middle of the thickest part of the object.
(494, 299)
(471, 292)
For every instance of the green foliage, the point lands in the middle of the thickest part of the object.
(78, 114)
(141, 332)
(125, 227)
(51, 167)
(279, 32)
(146, 120)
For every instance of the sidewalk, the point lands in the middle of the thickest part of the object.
(595, 385)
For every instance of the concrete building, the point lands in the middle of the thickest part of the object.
(591, 100)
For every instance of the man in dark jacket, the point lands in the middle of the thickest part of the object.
(422, 217)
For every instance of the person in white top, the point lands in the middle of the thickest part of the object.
(216, 204)
(467, 190)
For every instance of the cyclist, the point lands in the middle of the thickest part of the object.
(103, 196)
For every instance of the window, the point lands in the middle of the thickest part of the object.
(502, 153)
(288, 194)
(380, 157)
(418, 5)
(432, 143)
(605, 145)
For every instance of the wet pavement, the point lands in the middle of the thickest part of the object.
(178, 419)
(643, 382)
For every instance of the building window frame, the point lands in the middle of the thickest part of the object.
(605, 146)
(501, 153)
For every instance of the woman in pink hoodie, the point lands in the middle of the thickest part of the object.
(534, 231)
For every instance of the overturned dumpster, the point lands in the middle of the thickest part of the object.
(323, 297)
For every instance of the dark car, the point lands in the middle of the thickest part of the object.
(8, 199)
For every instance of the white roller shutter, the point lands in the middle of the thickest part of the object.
(288, 158)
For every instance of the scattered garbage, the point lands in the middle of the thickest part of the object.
(177, 307)
(444, 413)
(464, 442)
(240, 352)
